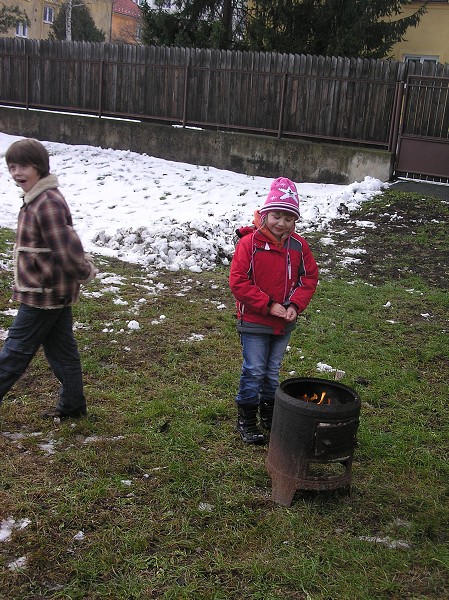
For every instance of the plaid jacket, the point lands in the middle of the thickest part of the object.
(49, 259)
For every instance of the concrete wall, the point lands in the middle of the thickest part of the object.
(251, 154)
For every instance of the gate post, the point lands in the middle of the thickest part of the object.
(396, 118)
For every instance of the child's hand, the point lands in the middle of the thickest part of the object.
(277, 310)
(93, 271)
(291, 313)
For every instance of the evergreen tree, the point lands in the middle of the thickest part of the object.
(10, 16)
(218, 13)
(83, 26)
(162, 28)
(351, 28)
(197, 23)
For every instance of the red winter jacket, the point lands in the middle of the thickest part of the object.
(262, 272)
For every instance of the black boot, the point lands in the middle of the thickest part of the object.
(247, 424)
(266, 413)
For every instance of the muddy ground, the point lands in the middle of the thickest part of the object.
(394, 236)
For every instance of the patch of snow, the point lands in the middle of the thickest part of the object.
(387, 541)
(18, 563)
(166, 214)
(8, 525)
(194, 337)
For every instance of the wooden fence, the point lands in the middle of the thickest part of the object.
(285, 95)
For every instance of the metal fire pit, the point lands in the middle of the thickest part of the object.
(312, 445)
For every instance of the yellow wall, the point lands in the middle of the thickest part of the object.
(125, 29)
(101, 11)
(430, 38)
(34, 10)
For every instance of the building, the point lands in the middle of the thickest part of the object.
(127, 19)
(126, 22)
(41, 14)
(430, 40)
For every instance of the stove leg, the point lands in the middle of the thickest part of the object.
(282, 490)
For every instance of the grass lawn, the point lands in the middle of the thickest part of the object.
(153, 495)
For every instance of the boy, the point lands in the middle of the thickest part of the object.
(49, 265)
(273, 277)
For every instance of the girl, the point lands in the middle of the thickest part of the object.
(273, 277)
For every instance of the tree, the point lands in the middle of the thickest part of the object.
(10, 16)
(74, 22)
(162, 28)
(219, 14)
(351, 28)
(197, 23)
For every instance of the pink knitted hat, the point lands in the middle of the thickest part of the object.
(283, 196)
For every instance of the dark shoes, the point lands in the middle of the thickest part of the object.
(266, 414)
(56, 413)
(247, 425)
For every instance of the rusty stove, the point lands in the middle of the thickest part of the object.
(313, 437)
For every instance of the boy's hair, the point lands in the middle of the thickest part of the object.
(29, 152)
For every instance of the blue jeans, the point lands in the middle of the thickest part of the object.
(52, 329)
(262, 358)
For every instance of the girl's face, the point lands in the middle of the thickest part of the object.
(280, 223)
(26, 176)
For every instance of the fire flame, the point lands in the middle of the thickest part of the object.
(316, 399)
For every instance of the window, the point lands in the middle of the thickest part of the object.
(49, 14)
(421, 59)
(21, 29)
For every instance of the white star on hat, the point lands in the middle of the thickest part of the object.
(288, 193)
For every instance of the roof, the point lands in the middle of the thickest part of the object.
(127, 7)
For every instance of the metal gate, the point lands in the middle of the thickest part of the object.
(423, 142)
